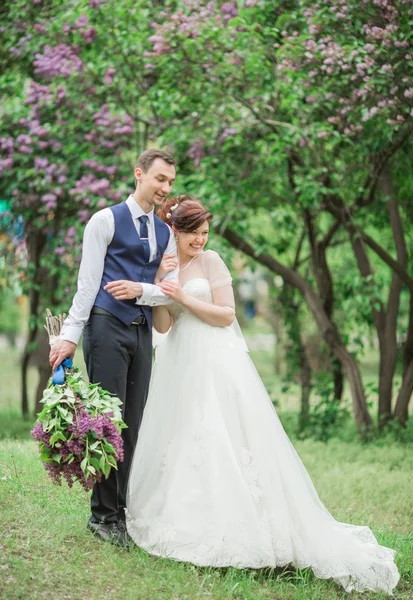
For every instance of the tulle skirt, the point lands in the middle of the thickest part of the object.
(215, 480)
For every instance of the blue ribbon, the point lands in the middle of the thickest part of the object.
(58, 377)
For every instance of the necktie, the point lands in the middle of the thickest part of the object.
(143, 233)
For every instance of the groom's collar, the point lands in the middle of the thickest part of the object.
(136, 210)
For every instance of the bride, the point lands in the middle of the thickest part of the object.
(215, 480)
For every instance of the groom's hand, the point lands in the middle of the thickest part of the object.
(61, 350)
(124, 289)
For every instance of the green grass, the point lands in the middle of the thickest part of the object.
(47, 552)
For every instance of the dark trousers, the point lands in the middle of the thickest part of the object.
(119, 358)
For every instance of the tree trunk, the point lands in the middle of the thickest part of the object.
(385, 320)
(389, 354)
(327, 328)
(325, 289)
(401, 411)
(306, 386)
(338, 377)
(35, 244)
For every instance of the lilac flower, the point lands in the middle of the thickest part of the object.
(24, 139)
(81, 22)
(48, 198)
(197, 151)
(6, 164)
(96, 3)
(229, 10)
(25, 149)
(60, 60)
(83, 215)
(40, 163)
(81, 424)
(7, 144)
(228, 132)
(89, 35)
(108, 77)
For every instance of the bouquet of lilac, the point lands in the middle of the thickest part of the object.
(79, 430)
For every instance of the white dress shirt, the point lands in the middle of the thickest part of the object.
(98, 235)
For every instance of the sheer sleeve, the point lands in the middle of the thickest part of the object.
(219, 279)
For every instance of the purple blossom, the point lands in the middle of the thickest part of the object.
(81, 22)
(40, 163)
(229, 10)
(108, 77)
(61, 60)
(25, 149)
(38, 93)
(83, 215)
(48, 198)
(96, 3)
(59, 251)
(24, 139)
(197, 152)
(7, 144)
(89, 35)
(6, 164)
(228, 132)
(81, 424)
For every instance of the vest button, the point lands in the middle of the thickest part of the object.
(143, 278)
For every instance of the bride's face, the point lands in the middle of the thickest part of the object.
(192, 243)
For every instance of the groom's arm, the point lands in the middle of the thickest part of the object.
(152, 295)
(97, 236)
(145, 294)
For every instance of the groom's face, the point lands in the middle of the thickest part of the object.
(156, 184)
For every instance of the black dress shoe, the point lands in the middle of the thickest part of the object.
(110, 532)
(128, 540)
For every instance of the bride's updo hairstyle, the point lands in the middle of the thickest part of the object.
(184, 213)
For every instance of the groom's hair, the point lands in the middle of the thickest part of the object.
(147, 157)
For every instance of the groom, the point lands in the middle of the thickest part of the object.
(123, 246)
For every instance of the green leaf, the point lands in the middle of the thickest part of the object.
(57, 436)
(83, 465)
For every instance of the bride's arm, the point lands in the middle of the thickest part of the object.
(214, 314)
(161, 319)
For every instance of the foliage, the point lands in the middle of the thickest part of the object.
(78, 431)
(283, 116)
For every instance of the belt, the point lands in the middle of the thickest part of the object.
(138, 320)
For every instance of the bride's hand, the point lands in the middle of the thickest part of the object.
(173, 290)
(169, 263)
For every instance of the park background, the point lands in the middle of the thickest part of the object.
(291, 121)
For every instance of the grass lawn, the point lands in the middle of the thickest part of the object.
(47, 552)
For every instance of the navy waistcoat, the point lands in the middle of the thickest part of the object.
(125, 260)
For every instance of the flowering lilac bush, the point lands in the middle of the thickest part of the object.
(78, 431)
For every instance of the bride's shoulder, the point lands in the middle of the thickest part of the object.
(212, 255)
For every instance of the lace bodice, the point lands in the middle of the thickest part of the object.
(207, 278)
(200, 288)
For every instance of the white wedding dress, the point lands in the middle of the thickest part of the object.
(215, 480)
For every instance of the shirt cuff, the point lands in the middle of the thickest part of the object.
(147, 293)
(71, 334)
